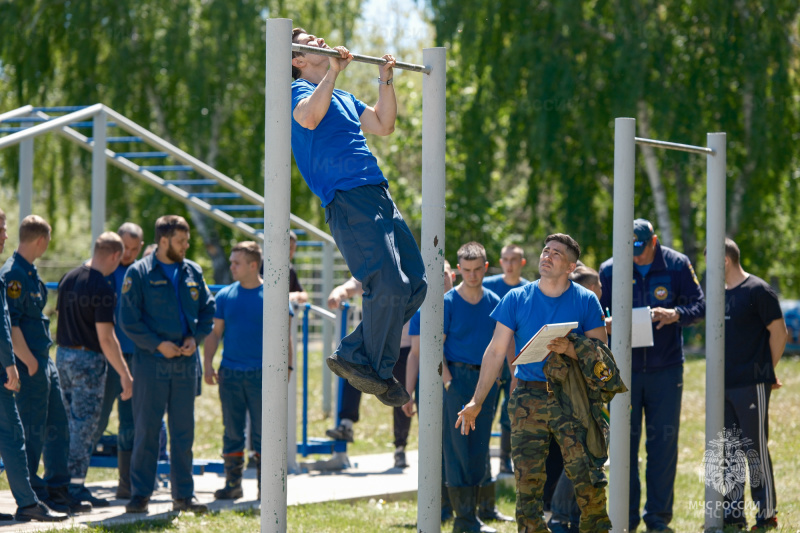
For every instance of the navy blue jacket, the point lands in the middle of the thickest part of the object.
(26, 297)
(149, 311)
(670, 283)
(6, 351)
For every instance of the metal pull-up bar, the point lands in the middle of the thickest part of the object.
(358, 57)
(674, 146)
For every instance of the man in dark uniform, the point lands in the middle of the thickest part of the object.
(132, 242)
(12, 438)
(664, 280)
(39, 400)
(85, 337)
(167, 310)
(755, 338)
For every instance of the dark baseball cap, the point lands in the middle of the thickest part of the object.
(643, 231)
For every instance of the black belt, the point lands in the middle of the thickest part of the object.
(543, 385)
(464, 365)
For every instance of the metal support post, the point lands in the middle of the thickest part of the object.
(433, 216)
(277, 177)
(25, 178)
(715, 321)
(327, 326)
(98, 175)
(291, 421)
(622, 296)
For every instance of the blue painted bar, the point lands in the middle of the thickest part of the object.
(143, 155)
(169, 168)
(201, 195)
(119, 139)
(11, 130)
(188, 182)
(239, 207)
(250, 220)
(22, 120)
(61, 109)
(90, 124)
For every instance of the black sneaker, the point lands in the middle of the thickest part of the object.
(61, 496)
(189, 504)
(395, 395)
(138, 504)
(39, 512)
(362, 377)
(341, 432)
(400, 458)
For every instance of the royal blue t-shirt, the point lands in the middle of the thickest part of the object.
(335, 155)
(125, 343)
(526, 309)
(415, 324)
(469, 327)
(497, 284)
(243, 311)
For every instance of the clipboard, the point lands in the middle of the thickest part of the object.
(535, 350)
(641, 327)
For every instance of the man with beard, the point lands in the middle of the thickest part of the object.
(167, 310)
(132, 241)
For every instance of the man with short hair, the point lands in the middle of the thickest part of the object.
(755, 338)
(239, 318)
(41, 408)
(12, 438)
(132, 241)
(334, 159)
(664, 280)
(167, 310)
(512, 259)
(536, 415)
(86, 339)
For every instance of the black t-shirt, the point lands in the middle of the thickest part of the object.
(294, 283)
(749, 308)
(85, 298)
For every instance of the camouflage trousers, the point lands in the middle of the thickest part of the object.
(536, 417)
(83, 382)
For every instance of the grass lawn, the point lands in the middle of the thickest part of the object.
(374, 434)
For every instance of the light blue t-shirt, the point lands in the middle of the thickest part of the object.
(497, 284)
(469, 327)
(335, 155)
(526, 309)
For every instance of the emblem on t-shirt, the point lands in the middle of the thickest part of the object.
(661, 293)
(14, 289)
(126, 284)
(195, 293)
(602, 371)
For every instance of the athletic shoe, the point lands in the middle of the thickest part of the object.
(395, 395)
(400, 458)
(362, 377)
(769, 523)
(341, 432)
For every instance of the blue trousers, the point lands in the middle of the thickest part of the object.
(239, 394)
(124, 409)
(466, 458)
(158, 384)
(657, 396)
(44, 419)
(381, 253)
(12, 447)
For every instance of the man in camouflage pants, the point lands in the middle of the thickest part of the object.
(535, 410)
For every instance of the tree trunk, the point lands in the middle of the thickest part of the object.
(687, 227)
(740, 183)
(663, 223)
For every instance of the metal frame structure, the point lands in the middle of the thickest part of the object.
(276, 268)
(624, 165)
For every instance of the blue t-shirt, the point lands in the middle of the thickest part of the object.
(526, 309)
(125, 343)
(643, 269)
(497, 285)
(335, 155)
(469, 327)
(414, 325)
(243, 311)
(173, 273)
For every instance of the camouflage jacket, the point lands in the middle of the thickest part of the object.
(585, 386)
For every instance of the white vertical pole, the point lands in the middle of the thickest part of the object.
(277, 177)
(622, 297)
(291, 422)
(327, 326)
(433, 214)
(98, 175)
(715, 317)
(25, 178)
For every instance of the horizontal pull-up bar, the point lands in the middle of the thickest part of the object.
(674, 146)
(358, 57)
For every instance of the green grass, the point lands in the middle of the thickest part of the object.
(374, 434)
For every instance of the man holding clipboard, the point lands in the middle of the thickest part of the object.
(536, 416)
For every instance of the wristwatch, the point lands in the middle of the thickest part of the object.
(387, 82)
